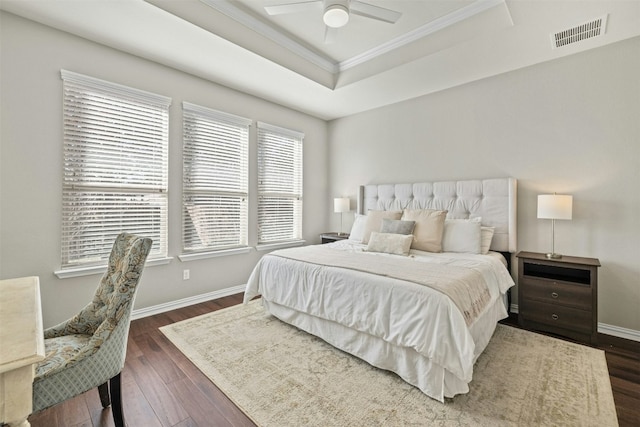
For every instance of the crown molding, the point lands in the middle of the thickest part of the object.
(271, 32)
(431, 27)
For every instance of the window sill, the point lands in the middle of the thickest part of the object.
(280, 245)
(100, 269)
(213, 254)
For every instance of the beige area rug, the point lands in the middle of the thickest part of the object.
(280, 376)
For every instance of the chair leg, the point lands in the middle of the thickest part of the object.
(103, 390)
(116, 401)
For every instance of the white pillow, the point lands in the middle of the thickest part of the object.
(390, 243)
(357, 230)
(486, 235)
(461, 236)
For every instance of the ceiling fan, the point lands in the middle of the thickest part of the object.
(336, 12)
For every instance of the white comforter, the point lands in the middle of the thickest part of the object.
(401, 313)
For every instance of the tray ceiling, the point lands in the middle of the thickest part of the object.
(435, 45)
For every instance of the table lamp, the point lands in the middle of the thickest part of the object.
(341, 205)
(554, 206)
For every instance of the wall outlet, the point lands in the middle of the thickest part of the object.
(185, 274)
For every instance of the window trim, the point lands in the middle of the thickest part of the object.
(298, 136)
(100, 269)
(280, 245)
(217, 117)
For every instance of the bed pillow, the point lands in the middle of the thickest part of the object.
(486, 235)
(461, 236)
(357, 230)
(374, 222)
(427, 234)
(397, 226)
(390, 243)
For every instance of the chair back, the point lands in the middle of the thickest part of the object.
(114, 298)
(115, 295)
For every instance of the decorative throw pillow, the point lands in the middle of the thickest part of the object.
(374, 222)
(428, 229)
(486, 235)
(390, 243)
(461, 236)
(357, 230)
(397, 226)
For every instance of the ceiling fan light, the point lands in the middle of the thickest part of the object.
(336, 16)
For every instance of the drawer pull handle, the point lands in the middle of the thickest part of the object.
(554, 316)
(554, 294)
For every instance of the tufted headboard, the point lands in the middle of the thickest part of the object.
(492, 199)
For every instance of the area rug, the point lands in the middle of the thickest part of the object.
(280, 376)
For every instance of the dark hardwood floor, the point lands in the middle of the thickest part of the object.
(161, 387)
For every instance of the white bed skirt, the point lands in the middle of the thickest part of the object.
(431, 378)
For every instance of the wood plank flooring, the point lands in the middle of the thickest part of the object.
(162, 388)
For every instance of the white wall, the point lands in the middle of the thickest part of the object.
(570, 126)
(31, 164)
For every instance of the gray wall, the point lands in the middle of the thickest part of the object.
(568, 126)
(31, 164)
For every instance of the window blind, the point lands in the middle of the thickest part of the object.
(215, 179)
(279, 184)
(115, 168)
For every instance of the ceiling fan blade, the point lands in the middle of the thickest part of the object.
(301, 6)
(330, 34)
(374, 12)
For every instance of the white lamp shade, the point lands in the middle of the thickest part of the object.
(341, 204)
(336, 16)
(555, 206)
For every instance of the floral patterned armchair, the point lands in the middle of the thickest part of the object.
(89, 349)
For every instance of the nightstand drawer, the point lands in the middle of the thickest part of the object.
(557, 292)
(556, 316)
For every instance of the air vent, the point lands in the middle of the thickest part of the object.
(588, 30)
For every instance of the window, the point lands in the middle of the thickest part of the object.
(279, 184)
(215, 179)
(115, 169)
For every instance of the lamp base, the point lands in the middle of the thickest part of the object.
(553, 255)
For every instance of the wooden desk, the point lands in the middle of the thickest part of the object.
(21, 347)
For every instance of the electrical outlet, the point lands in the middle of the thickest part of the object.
(185, 274)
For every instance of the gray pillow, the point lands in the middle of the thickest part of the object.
(397, 226)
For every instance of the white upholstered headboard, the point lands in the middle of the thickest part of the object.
(492, 199)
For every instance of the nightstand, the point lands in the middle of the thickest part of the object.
(559, 295)
(333, 237)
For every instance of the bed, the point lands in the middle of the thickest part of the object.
(422, 313)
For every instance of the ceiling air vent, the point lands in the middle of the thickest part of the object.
(594, 28)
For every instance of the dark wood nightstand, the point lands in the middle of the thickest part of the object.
(559, 295)
(333, 237)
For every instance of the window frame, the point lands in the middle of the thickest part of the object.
(208, 135)
(274, 185)
(105, 124)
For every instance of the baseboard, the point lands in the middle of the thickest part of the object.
(185, 302)
(603, 328)
(617, 331)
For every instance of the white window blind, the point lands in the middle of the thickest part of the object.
(279, 184)
(115, 168)
(215, 179)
